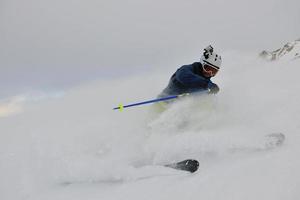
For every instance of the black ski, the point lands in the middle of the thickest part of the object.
(189, 165)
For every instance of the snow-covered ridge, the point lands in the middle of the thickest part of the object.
(289, 51)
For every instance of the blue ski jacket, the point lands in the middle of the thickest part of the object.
(187, 79)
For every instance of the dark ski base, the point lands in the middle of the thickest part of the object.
(189, 165)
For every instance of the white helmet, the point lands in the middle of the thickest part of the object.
(211, 58)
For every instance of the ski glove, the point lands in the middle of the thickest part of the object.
(213, 88)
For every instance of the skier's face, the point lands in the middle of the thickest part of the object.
(209, 71)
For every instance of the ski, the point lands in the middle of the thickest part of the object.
(139, 173)
(274, 140)
(189, 165)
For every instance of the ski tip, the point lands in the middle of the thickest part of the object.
(190, 165)
(275, 139)
(194, 165)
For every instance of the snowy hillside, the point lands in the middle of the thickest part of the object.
(74, 147)
(289, 51)
(65, 64)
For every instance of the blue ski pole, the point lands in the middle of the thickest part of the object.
(121, 106)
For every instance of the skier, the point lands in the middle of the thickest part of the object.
(195, 77)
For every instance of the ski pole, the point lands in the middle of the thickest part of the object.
(121, 106)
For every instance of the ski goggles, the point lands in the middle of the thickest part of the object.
(212, 70)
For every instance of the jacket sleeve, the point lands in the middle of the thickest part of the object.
(189, 79)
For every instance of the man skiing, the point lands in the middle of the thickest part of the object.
(188, 79)
(195, 77)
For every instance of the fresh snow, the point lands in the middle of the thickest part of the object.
(60, 139)
(77, 147)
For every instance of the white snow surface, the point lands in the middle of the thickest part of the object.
(68, 144)
(77, 147)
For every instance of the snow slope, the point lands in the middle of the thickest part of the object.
(76, 147)
(71, 145)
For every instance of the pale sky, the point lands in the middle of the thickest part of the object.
(58, 43)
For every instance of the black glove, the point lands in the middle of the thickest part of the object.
(213, 89)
